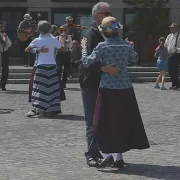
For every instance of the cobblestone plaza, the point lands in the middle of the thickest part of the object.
(53, 149)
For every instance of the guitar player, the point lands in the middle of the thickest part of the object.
(26, 25)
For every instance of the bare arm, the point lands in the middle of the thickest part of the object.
(28, 49)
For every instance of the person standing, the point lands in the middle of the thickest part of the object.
(46, 86)
(89, 81)
(5, 44)
(72, 28)
(117, 123)
(173, 45)
(75, 57)
(161, 53)
(55, 33)
(26, 25)
(64, 58)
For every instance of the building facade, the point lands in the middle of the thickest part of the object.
(55, 11)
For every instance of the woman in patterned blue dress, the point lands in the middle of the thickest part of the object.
(117, 124)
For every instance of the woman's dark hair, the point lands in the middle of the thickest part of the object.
(162, 39)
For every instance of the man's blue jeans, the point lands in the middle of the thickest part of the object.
(89, 96)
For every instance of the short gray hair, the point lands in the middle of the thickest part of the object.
(97, 7)
(44, 27)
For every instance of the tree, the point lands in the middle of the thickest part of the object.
(146, 3)
(150, 23)
(152, 16)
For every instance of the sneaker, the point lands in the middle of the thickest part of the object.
(156, 87)
(30, 114)
(163, 88)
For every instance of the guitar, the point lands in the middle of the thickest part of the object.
(25, 34)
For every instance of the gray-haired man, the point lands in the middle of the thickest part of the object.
(90, 79)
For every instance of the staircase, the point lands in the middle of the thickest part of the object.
(21, 75)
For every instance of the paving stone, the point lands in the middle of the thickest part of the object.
(53, 149)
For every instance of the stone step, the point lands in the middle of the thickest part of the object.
(132, 74)
(75, 80)
(21, 69)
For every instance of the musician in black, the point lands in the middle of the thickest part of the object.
(23, 26)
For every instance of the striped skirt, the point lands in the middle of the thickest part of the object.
(46, 90)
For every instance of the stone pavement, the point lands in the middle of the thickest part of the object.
(52, 149)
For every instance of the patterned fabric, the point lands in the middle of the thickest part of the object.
(46, 90)
(113, 51)
(110, 29)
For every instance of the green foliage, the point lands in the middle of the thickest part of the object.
(152, 17)
(147, 3)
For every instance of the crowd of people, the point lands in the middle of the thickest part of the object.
(112, 116)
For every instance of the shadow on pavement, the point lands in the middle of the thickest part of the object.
(70, 117)
(14, 92)
(72, 89)
(149, 171)
(6, 111)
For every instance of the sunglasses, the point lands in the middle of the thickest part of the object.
(106, 14)
(75, 44)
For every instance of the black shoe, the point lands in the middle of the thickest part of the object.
(64, 86)
(3, 89)
(175, 88)
(99, 155)
(170, 88)
(119, 164)
(91, 161)
(107, 162)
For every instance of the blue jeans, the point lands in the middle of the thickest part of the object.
(162, 65)
(89, 96)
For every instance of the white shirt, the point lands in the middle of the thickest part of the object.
(68, 42)
(47, 41)
(170, 43)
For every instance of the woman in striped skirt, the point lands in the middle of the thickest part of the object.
(46, 87)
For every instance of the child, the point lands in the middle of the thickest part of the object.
(162, 63)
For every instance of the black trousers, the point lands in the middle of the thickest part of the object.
(63, 59)
(28, 58)
(73, 65)
(5, 68)
(173, 65)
